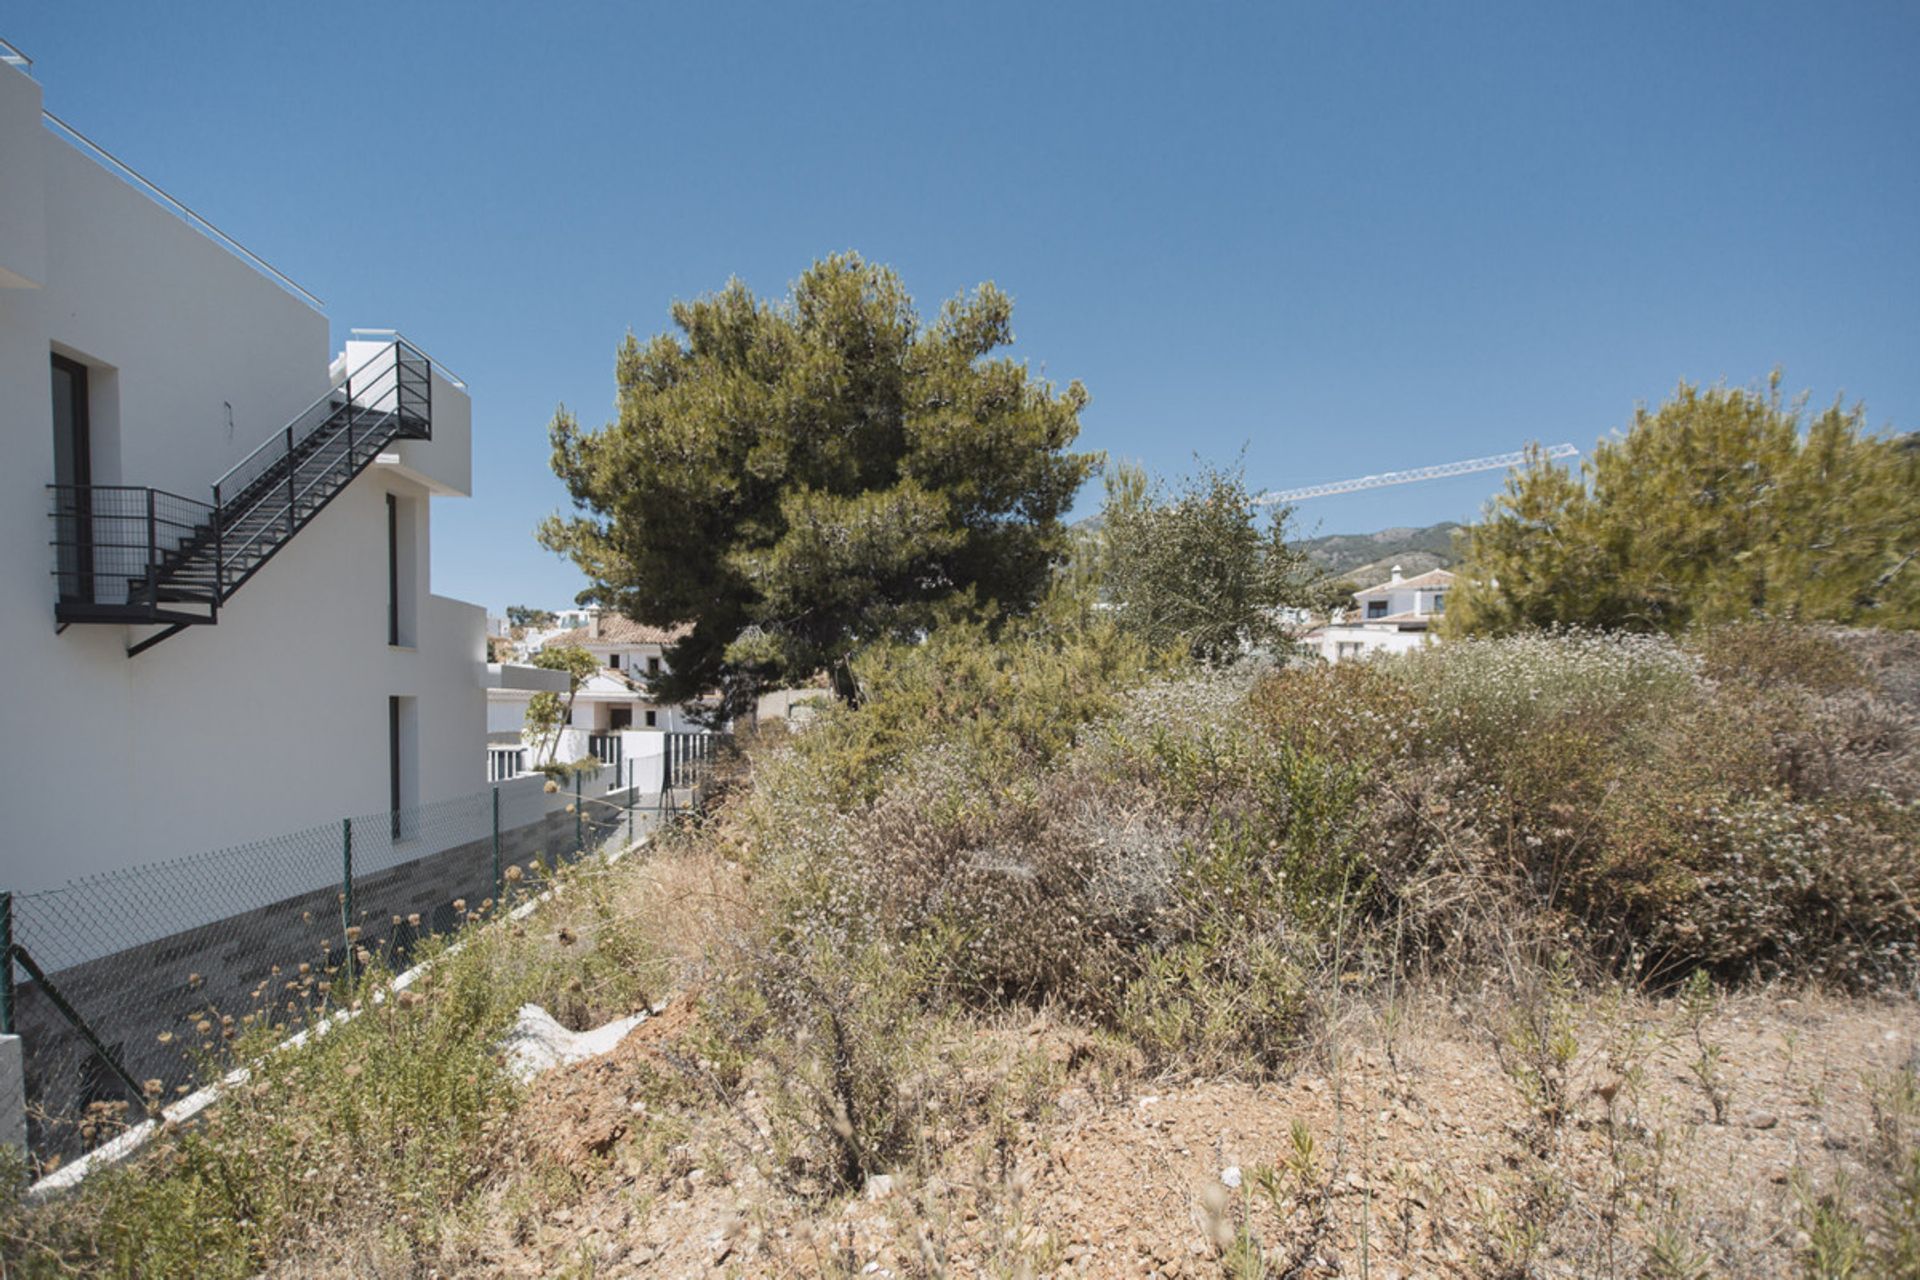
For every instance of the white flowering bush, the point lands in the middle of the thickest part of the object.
(1744, 800)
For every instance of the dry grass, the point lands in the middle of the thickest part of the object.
(1555, 957)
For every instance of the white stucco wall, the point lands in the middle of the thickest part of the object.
(23, 219)
(276, 718)
(1387, 639)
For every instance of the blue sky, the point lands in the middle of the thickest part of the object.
(1349, 238)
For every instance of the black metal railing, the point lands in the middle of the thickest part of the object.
(688, 757)
(604, 747)
(125, 553)
(108, 538)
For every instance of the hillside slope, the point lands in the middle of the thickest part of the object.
(1369, 557)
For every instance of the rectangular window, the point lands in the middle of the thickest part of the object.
(406, 573)
(1439, 602)
(393, 584)
(653, 666)
(1376, 608)
(403, 777)
(620, 718)
(73, 472)
(613, 661)
(393, 743)
(652, 719)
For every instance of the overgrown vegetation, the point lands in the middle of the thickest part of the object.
(1196, 870)
(1721, 504)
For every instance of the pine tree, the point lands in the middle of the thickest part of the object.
(1715, 508)
(798, 478)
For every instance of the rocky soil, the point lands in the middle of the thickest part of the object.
(1427, 1158)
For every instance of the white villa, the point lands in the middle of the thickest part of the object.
(1393, 617)
(219, 531)
(614, 717)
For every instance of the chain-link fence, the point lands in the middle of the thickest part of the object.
(138, 975)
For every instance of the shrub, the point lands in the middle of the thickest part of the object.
(839, 1042)
(1678, 805)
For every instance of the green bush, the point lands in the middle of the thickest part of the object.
(1744, 801)
(1187, 860)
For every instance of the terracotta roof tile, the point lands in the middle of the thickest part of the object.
(1432, 579)
(615, 630)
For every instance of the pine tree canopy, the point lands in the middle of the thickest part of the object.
(1719, 506)
(798, 478)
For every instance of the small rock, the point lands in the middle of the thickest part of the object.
(1762, 1120)
(1230, 1176)
(879, 1186)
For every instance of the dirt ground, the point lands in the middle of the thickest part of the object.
(1420, 1154)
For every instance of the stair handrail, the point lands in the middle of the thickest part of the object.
(388, 402)
(278, 436)
(395, 335)
(295, 495)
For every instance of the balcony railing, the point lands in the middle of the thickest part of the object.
(125, 553)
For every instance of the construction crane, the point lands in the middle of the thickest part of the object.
(1471, 465)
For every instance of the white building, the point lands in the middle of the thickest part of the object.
(613, 698)
(614, 719)
(263, 651)
(1393, 617)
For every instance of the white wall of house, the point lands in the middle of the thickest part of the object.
(1338, 643)
(277, 717)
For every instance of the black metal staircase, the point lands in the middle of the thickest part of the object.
(125, 554)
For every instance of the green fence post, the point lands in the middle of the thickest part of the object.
(579, 839)
(6, 964)
(346, 891)
(498, 883)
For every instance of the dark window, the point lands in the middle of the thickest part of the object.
(393, 608)
(1439, 602)
(613, 661)
(393, 756)
(653, 666)
(620, 717)
(652, 719)
(1376, 608)
(73, 471)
